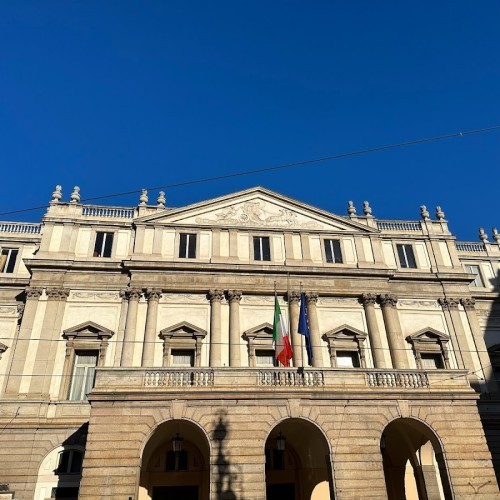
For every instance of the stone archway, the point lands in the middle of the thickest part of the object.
(298, 462)
(414, 465)
(175, 463)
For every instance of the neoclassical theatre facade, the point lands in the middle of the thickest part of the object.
(137, 358)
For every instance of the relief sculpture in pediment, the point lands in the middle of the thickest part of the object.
(254, 213)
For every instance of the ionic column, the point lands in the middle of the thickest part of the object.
(215, 297)
(312, 314)
(23, 341)
(484, 359)
(148, 352)
(457, 331)
(133, 295)
(393, 329)
(368, 300)
(293, 312)
(43, 366)
(234, 297)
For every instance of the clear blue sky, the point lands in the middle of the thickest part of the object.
(119, 95)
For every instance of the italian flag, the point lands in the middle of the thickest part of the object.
(282, 347)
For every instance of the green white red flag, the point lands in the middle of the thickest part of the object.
(282, 347)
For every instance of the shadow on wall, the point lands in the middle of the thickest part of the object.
(225, 475)
(489, 403)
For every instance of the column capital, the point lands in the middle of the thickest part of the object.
(132, 293)
(450, 303)
(311, 297)
(468, 303)
(387, 300)
(234, 296)
(57, 293)
(368, 299)
(33, 292)
(293, 297)
(215, 295)
(153, 294)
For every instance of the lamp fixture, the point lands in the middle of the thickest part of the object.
(177, 443)
(281, 442)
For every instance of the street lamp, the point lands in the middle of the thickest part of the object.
(281, 442)
(177, 443)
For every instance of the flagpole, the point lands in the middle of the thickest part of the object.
(301, 343)
(288, 300)
(274, 308)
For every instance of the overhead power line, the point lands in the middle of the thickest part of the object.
(279, 167)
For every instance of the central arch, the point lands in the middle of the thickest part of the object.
(175, 463)
(298, 462)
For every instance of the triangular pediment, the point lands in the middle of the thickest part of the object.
(428, 335)
(88, 330)
(345, 332)
(183, 329)
(255, 208)
(265, 329)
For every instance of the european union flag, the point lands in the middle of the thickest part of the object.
(304, 327)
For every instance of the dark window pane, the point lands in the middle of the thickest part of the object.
(63, 462)
(410, 257)
(192, 246)
(401, 255)
(256, 248)
(65, 493)
(183, 245)
(76, 462)
(108, 244)
(328, 251)
(98, 244)
(336, 251)
(12, 261)
(183, 460)
(266, 249)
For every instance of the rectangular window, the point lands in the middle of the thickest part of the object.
(431, 361)
(182, 357)
(332, 251)
(478, 280)
(406, 256)
(347, 359)
(103, 244)
(187, 246)
(83, 377)
(261, 248)
(8, 260)
(264, 358)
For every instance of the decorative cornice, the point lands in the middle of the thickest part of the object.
(215, 295)
(368, 299)
(468, 303)
(234, 295)
(387, 300)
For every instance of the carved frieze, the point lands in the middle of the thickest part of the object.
(8, 310)
(416, 303)
(257, 214)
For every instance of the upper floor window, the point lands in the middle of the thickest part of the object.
(187, 246)
(103, 244)
(478, 280)
(406, 256)
(182, 357)
(83, 376)
(261, 248)
(333, 253)
(70, 462)
(8, 260)
(265, 358)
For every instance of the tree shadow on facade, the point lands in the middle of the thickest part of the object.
(489, 402)
(225, 474)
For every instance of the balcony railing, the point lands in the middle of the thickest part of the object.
(115, 212)
(469, 246)
(111, 380)
(399, 225)
(20, 227)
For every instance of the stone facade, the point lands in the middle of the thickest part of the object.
(137, 357)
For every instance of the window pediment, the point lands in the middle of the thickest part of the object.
(183, 330)
(345, 332)
(88, 331)
(263, 332)
(427, 335)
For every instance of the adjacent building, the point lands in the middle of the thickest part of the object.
(137, 358)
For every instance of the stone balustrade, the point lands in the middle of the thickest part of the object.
(469, 246)
(113, 212)
(399, 225)
(20, 227)
(228, 379)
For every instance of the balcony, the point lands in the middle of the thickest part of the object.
(257, 382)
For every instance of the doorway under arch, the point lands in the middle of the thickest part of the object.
(175, 463)
(298, 462)
(414, 465)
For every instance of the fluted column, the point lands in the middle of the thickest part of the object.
(133, 295)
(148, 352)
(393, 329)
(368, 300)
(457, 330)
(312, 314)
(234, 297)
(215, 297)
(293, 312)
(23, 341)
(43, 366)
(469, 304)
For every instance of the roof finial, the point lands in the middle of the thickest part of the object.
(75, 195)
(161, 200)
(351, 209)
(367, 210)
(424, 213)
(482, 235)
(439, 213)
(143, 199)
(496, 236)
(57, 194)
